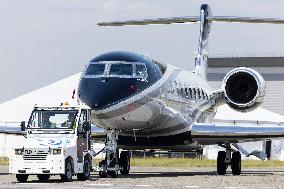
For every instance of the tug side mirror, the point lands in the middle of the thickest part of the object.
(86, 126)
(23, 126)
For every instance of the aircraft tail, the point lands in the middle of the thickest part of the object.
(205, 20)
(202, 53)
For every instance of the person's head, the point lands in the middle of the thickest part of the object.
(46, 117)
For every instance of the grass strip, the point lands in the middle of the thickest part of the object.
(188, 162)
(182, 162)
(4, 161)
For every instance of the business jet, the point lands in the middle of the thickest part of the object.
(144, 104)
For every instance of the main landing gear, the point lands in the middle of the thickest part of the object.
(112, 163)
(229, 157)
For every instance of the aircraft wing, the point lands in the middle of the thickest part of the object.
(11, 128)
(15, 132)
(207, 134)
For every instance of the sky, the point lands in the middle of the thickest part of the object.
(45, 41)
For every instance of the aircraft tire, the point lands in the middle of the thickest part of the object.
(22, 177)
(236, 163)
(113, 174)
(43, 178)
(102, 174)
(221, 164)
(124, 163)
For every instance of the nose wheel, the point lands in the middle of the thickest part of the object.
(124, 162)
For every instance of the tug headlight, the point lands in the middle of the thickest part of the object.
(56, 151)
(18, 151)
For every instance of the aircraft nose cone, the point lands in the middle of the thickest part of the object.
(103, 92)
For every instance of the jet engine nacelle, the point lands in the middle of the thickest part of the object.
(244, 89)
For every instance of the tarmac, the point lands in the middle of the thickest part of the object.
(158, 177)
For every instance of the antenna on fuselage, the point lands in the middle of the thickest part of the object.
(205, 20)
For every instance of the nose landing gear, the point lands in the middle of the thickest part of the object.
(112, 164)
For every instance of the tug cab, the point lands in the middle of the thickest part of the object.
(57, 143)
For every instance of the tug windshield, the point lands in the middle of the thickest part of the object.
(53, 119)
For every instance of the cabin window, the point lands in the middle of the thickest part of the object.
(197, 93)
(194, 93)
(181, 90)
(186, 92)
(190, 92)
(95, 69)
(121, 69)
(141, 70)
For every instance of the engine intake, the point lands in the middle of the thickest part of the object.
(244, 89)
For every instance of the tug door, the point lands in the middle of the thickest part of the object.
(82, 143)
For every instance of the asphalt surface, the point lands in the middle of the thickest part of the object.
(144, 178)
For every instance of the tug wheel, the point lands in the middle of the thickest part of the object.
(86, 171)
(67, 176)
(22, 177)
(43, 178)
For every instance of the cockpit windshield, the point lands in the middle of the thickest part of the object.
(116, 69)
(52, 119)
(121, 69)
(141, 70)
(95, 69)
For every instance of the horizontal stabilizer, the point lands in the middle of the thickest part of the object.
(193, 19)
(170, 20)
(245, 19)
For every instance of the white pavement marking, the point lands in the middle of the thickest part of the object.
(33, 183)
(99, 185)
(192, 186)
(143, 185)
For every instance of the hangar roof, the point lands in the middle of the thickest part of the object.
(215, 62)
